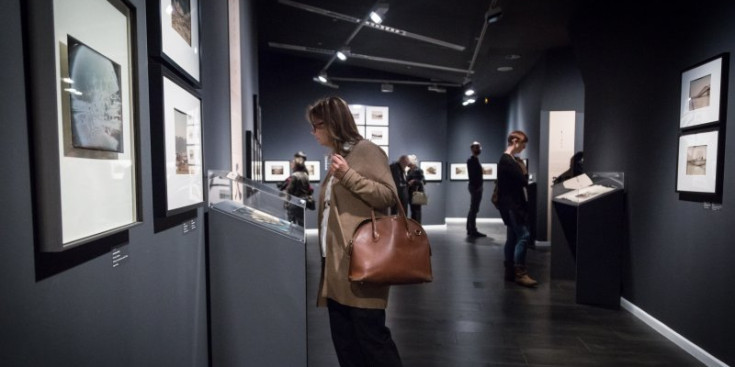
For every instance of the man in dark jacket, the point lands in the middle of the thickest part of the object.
(398, 169)
(474, 171)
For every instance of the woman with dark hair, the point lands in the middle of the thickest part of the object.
(358, 182)
(513, 206)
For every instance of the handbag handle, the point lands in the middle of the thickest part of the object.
(401, 215)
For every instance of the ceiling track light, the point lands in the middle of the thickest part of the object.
(322, 77)
(343, 53)
(467, 100)
(469, 91)
(379, 11)
(494, 14)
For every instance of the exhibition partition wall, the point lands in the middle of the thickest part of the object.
(143, 302)
(680, 246)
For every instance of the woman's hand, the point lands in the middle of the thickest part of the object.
(339, 166)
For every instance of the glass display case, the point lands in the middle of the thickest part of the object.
(256, 203)
(582, 188)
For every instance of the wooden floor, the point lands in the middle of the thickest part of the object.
(470, 317)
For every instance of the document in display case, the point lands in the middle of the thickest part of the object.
(257, 274)
(587, 236)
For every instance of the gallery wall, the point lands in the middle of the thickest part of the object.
(679, 252)
(151, 309)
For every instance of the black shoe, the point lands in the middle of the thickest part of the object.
(476, 234)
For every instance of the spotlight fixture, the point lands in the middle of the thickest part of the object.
(378, 13)
(468, 91)
(322, 77)
(342, 53)
(494, 14)
(468, 100)
(386, 88)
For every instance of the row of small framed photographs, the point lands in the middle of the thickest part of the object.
(277, 171)
(369, 115)
(701, 146)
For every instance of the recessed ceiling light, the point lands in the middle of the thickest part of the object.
(505, 68)
(512, 57)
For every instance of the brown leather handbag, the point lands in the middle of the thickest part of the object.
(390, 250)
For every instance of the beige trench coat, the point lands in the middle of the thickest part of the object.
(367, 184)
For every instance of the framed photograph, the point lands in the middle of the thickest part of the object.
(432, 170)
(489, 171)
(361, 130)
(458, 172)
(82, 89)
(699, 166)
(313, 167)
(703, 89)
(174, 35)
(176, 149)
(376, 115)
(276, 171)
(358, 113)
(377, 134)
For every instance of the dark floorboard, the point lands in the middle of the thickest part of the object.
(470, 317)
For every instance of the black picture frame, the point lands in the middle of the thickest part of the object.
(707, 80)
(167, 214)
(165, 44)
(67, 218)
(697, 176)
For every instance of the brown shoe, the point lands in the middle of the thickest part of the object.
(523, 278)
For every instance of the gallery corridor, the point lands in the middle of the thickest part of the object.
(470, 317)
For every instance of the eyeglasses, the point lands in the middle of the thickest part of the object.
(317, 125)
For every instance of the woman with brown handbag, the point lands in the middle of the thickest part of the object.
(358, 182)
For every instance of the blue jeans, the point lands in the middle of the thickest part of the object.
(517, 239)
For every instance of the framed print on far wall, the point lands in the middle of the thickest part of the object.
(83, 94)
(176, 144)
(458, 172)
(432, 170)
(276, 171)
(377, 134)
(174, 27)
(376, 115)
(703, 90)
(699, 169)
(313, 167)
(489, 171)
(358, 113)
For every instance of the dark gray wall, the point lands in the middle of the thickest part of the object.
(678, 253)
(554, 84)
(417, 119)
(149, 311)
(486, 123)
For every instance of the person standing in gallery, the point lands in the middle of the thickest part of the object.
(297, 185)
(415, 180)
(398, 169)
(474, 171)
(513, 207)
(358, 182)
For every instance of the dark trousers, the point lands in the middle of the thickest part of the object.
(360, 337)
(475, 198)
(416, 212)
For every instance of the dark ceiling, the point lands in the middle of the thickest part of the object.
(424, 41)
